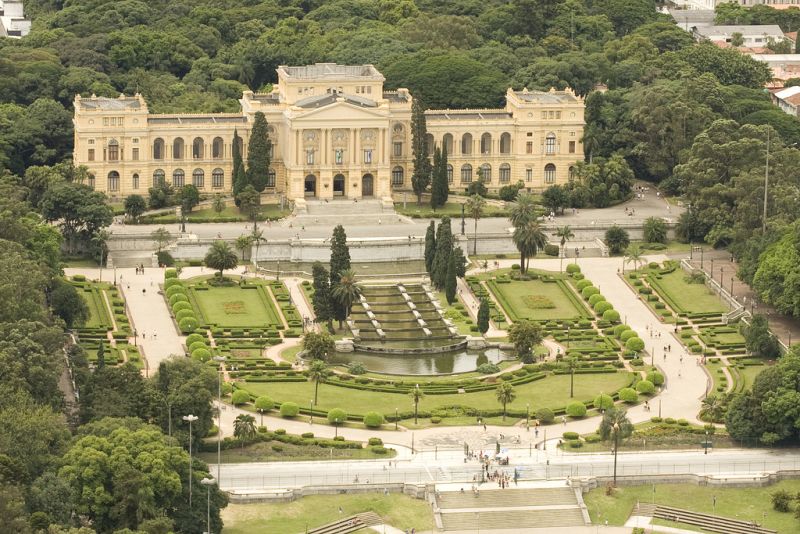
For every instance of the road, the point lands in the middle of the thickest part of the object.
(449, 466)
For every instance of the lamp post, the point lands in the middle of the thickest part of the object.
(135, 338)
(311, 420)
(219, 360)
(567, 336)
(208, 482)
(705, 449)
(616, 447)
(396, 413)
(732, 278)
(336, 427)
(191, 418)
(712, 268)
(463, 223)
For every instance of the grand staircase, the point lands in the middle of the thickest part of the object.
(510, 509)
(707, 522)
(344, 211)
(349, 524)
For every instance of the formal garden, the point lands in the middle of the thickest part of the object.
(107, 328)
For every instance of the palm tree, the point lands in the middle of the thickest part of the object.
(565, 233)
(711, 408)
(523, 210)
(616, 425)
(243, 242)
(317, 372)
(416, 395)
(572, 364)
(634, 256)
(100, 240)
(505, 393)
(218, 204)
(220, 257)
(257, 237)
(244, 427)
(346, 291)
(529, 239)
(475, 206)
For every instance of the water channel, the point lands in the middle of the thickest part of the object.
(458, 361)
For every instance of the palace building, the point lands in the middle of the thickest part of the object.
(335, 132)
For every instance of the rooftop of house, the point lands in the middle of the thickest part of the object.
(547, 97)
(770, 30)
(319, 101)
(788, 92)
(777, 58)
(330, 71)
(102, 103)
(450, 115)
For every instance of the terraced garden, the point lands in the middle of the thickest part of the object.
(545, 298)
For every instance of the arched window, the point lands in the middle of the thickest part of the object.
(217, 148)
(158, 149)
(486, 143)
(113, 150)
(271, 177)
(177, 148)
(240, 142)
(217, 179)
(113, 181)
(550, 143)
(198, 178)
(486, 173)
(178, 178)
(135, 181)
(447, 142)
(397, 176)
(549, 173)
(449, 174)
(505, 173)
(466, 143)
(505, 143)
(466, 173)
(158, 177)
(571, 173)
(198, 148)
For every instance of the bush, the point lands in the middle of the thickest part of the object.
(576, 409)
(575, 444)
(175, 289)
(183, 314)
(594, 299)
(337, 414)
(551, 250)
(375, 441)
(201, 355)
(240, 397)
(588, 291)
(628, 395)
(619, 329)
(170, 273)
(188, 325)
(79, 278)
(592, 438)
(626, 335)
(193, 338)
(645, 387)
(307, 435)
(603, 402)
(602, 307)
(612, 316)
(436, 420)
(655, 377)
(165, 258)
(545, 415)
(488, 368)
(356, 368)
(582, 283)
(373, 420)
(573, 268)
(379, 449)
(781, 500)
(196, 345)
(178, 297)
(289, 409)
(515, 267)
(634, 344)
(571, 435)
(264, 403)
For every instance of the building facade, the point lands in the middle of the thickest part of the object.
(334, 132)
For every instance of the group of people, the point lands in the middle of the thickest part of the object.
(140, 268)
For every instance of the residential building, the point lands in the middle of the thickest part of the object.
(788, 100)
(754, 36)
(12, 19)
(783, 66)
(334, 132)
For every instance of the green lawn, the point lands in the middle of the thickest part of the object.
(400, 511)
(234, 307)
(264, 452)
(749, 373)
(747, 504)
(537, 300)
(552, 392)
(689, 298)
(229, 214)
(98, 311)
(451, 209)
(713, 365)
(290, 354)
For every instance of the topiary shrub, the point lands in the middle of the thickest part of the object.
(374, 441)
(307, 435)
(626, 335)
(515, 267)
(175, 289)
(178, 306)
(594, 299)
(545, 415)
(240, 397)
(79, 278)
(619, 329)
(592, 438)
(635, 344)
(602, 307)
(188, 325)
(575, 444)
(628, 395)
(182, 314)
(379, 449)
(356, 368)
(588, 291)
(571, 435)
(580, 284)
(289, 409)
(573, 268)
(264, 403)
(197, 345)
(576, 409)
(645, 387)
(192, 338)
(603, 402)
(172, 282)
(337, 414)
(436, 420)
(488, 368)
(373, 420)
(170, 273)
(201, 355)
(655, 377)
(178, 297)
(612, 316)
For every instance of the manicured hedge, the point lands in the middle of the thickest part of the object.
(576, 409)
(289, 409)
(240, 397)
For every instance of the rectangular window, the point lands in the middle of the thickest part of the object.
(398, 150)
(397, 177)
(120, 121)
(558, 114)
(530, 134)
(505, 173)
(449, 174)
(551, 114)
(528, 175)
(135, 154)
(572, 147)
(135, 140)
(113, 182)
(113, 152)
(271, 178)
(135, 181)
(105, 121)
(310, 156)
(368, 155)
(529, 147)
(544, 114)
(270, 151)
(338, 156)
(91, 154)
(550, 146)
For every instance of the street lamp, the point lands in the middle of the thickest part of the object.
(336, 427)
(135, 338)
(527, 415)
(219, 360)
(191, 418)
(396, 413)
(311, 420)
(567, 336)
(208, 482)
(616, 447)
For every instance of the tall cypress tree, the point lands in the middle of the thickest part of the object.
(340, 255)
(321, 300)
(421, 178)
(450, 279)
(238, 178)
(436, 193)
(483, 316)
(430, 246)
(444, 183)
(258, 153)
(444, 247)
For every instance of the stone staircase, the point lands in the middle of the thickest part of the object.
(353, 523)
(708, 522)
(344, 211)
(510, 509)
